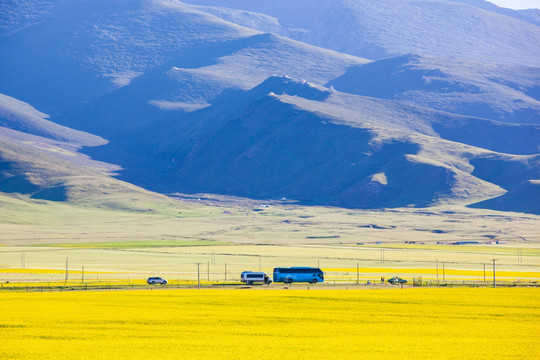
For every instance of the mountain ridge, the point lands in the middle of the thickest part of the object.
(233, 141)
(378, 30)
(181, 98)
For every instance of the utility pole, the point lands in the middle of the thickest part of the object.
(494, 282)
(357, 274)
(198, 276)
(67, 272)
(484, 273)
(82, 276)
(443, 273)
(437, 269)
(225, 271)
(208, 271)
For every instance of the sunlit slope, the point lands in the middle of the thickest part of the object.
(23, 125)
(26, 171)
(506, 93)
(461, 29)
(42, 160)
(84, 50)
(22, 118)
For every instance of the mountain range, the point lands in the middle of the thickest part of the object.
(347, 103)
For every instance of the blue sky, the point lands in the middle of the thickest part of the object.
(517, 4)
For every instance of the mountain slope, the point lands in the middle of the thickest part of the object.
(500, 92)
(180, 57)
(23, 125)
(463, 29)
(187, 101)
(83, 49)
(19, 116)
(171, 90)
(288, 138)
(26, 171)
(41, 159)
(523, 198)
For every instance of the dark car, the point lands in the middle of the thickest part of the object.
(156, 280)
(397, 280)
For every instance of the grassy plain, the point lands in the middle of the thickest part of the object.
(464, 323)
(227, 235)
(46, 243)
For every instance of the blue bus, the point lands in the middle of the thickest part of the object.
(298, 274)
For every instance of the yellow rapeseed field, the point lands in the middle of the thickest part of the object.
(435, 323)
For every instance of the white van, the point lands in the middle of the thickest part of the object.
(250, 277)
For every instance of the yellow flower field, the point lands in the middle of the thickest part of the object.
(456, 323)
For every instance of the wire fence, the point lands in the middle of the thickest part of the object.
(332, 283)
(212, 274)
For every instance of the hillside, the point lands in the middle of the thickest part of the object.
(523, 198)
(89, 49)
(41, 160)
(175, 97)
(278, 140)
(500, 92)
(28, 173)
(468, 29)
(21, 117)
(172, 90)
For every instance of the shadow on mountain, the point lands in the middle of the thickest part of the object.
(56, 193)
(12, 181)
(505, 172)
(491, 135)
(273, 150)
(523, 198)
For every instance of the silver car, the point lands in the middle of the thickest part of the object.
(156, 280)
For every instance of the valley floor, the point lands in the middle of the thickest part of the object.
(215, 239)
